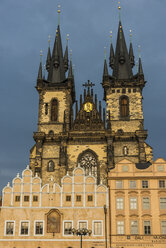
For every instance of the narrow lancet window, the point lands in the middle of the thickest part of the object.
(54, 110)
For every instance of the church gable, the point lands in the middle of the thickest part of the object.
(89, 117)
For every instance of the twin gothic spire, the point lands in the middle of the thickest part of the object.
(56, 64)
(122, 61)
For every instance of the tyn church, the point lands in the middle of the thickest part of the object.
(91, 178)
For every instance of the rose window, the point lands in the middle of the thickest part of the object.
(89, 162)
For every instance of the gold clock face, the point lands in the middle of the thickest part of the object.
(88, 107)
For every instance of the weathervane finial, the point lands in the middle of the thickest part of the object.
(59, 11)
(119, 7)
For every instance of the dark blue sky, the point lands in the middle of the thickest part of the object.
(25, 26)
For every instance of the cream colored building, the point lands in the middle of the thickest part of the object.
(138, 205)
(34, 216)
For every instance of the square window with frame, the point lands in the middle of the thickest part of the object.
(147, 227)
(68, 198)
(17, 198)
(82, 224)
(162, 203)
(146, 203)
(119, 184)
(68, 225)
(132, 184)
(35, 198)
(39, 228)
(120, 227)
(162, 184)
(90, 198)
(26, 198)
(78, 198)
(24, 230)
(97, 228)
(134, 227)
(10, 228)
(145, 184)
(163, 227)
(133, 203)
(119, 203)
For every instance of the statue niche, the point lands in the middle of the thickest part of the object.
(53, 221)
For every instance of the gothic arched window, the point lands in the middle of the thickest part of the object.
(50, 166)
(54, 110)
(88, 161)
(124, 106)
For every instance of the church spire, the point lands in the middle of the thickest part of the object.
(122, 67)
(70, 74)
(140, 69)
(57, 70)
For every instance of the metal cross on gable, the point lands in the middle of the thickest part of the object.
(88, 84)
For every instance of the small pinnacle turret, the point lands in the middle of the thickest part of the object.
(131, 55)
(70, 74)
(48, 62)
(66, 59)
(140, 69)
(105, 71)
(112, 56)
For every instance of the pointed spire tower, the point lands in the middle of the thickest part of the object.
(105, 71)
(123, 96)
(131, 53)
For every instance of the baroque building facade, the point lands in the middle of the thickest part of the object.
(90, 168)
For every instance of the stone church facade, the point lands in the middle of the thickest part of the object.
(90, 168)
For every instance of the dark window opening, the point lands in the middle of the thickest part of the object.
(54, 110)
(78, 198)
(50, 167)
(26, 198)
(124, 106)
(68, 198)
(17, 198)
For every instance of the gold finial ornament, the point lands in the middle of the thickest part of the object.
(59, 11)
(119, 7)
